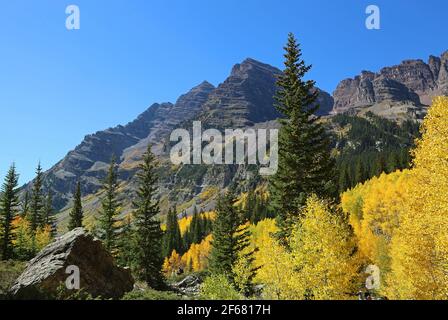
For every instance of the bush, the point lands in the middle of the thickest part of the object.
(9, 272)
(150, 294)
(218, 287)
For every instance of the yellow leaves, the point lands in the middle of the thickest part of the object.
(323, 254)
(321, 264)
(419, 249)
(24, 242)
(43, 237)
(401, 219)
(276, 271)
(185, 222)
(194, 260)
(172, 264)
(374, 209)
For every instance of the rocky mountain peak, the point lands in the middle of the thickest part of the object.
(251, 66)
(412, 81)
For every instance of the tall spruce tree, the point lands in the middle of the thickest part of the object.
(172, 239)
(305, 163)
(76, 214)
(229, 239)
(195, 227)
(25, 205)
(37, 200)
(9, 202)
(48, 217)
(127, 244)
(148, 231)
(108, 221)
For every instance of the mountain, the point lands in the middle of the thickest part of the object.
(244, 99)
(398, 92)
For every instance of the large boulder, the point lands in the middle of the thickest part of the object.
(46, 274)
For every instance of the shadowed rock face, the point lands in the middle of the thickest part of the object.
(99, 276)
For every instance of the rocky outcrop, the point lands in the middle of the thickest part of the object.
(189, 286)
(413, 83)
(386, 89)
(244, 98)
(46, 273)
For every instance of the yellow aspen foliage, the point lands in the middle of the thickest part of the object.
(261, 192)
(185, 222)
(276, 271)
(43, 237)
(374, 209)
(194, 260)
(419, 267)
(323, 249)
(172, 264)
(24, 244)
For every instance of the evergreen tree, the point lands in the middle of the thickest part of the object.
(305, 164)
(195, 227)
(127, 245)
(76, 214)
(25, 205)
(48, 217)
(230, 241)
(359, 172)
(9, 202)
(108, 221)
(148, 231)
(172, 238)
(37, 200)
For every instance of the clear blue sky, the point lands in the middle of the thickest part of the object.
(56, 86)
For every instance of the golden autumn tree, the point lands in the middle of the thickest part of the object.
(323, 252)
(172, 264)
(419, 250)
(375, 209)
(276, 271)
(196, 258)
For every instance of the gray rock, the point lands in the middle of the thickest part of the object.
(99, 276)
(413, 82)
(190, 286)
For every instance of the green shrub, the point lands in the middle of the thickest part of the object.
(218, 287)
(150, 294)
(9, 272)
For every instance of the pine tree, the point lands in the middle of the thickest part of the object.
(148, 231)
(195, 227)
(305, 164)
(37, 200)
(108, 221)
(230, 241)
(76, 214)
(9, 202)
(127, 245)
(48, 217)
(172, 238)
(25, 207)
